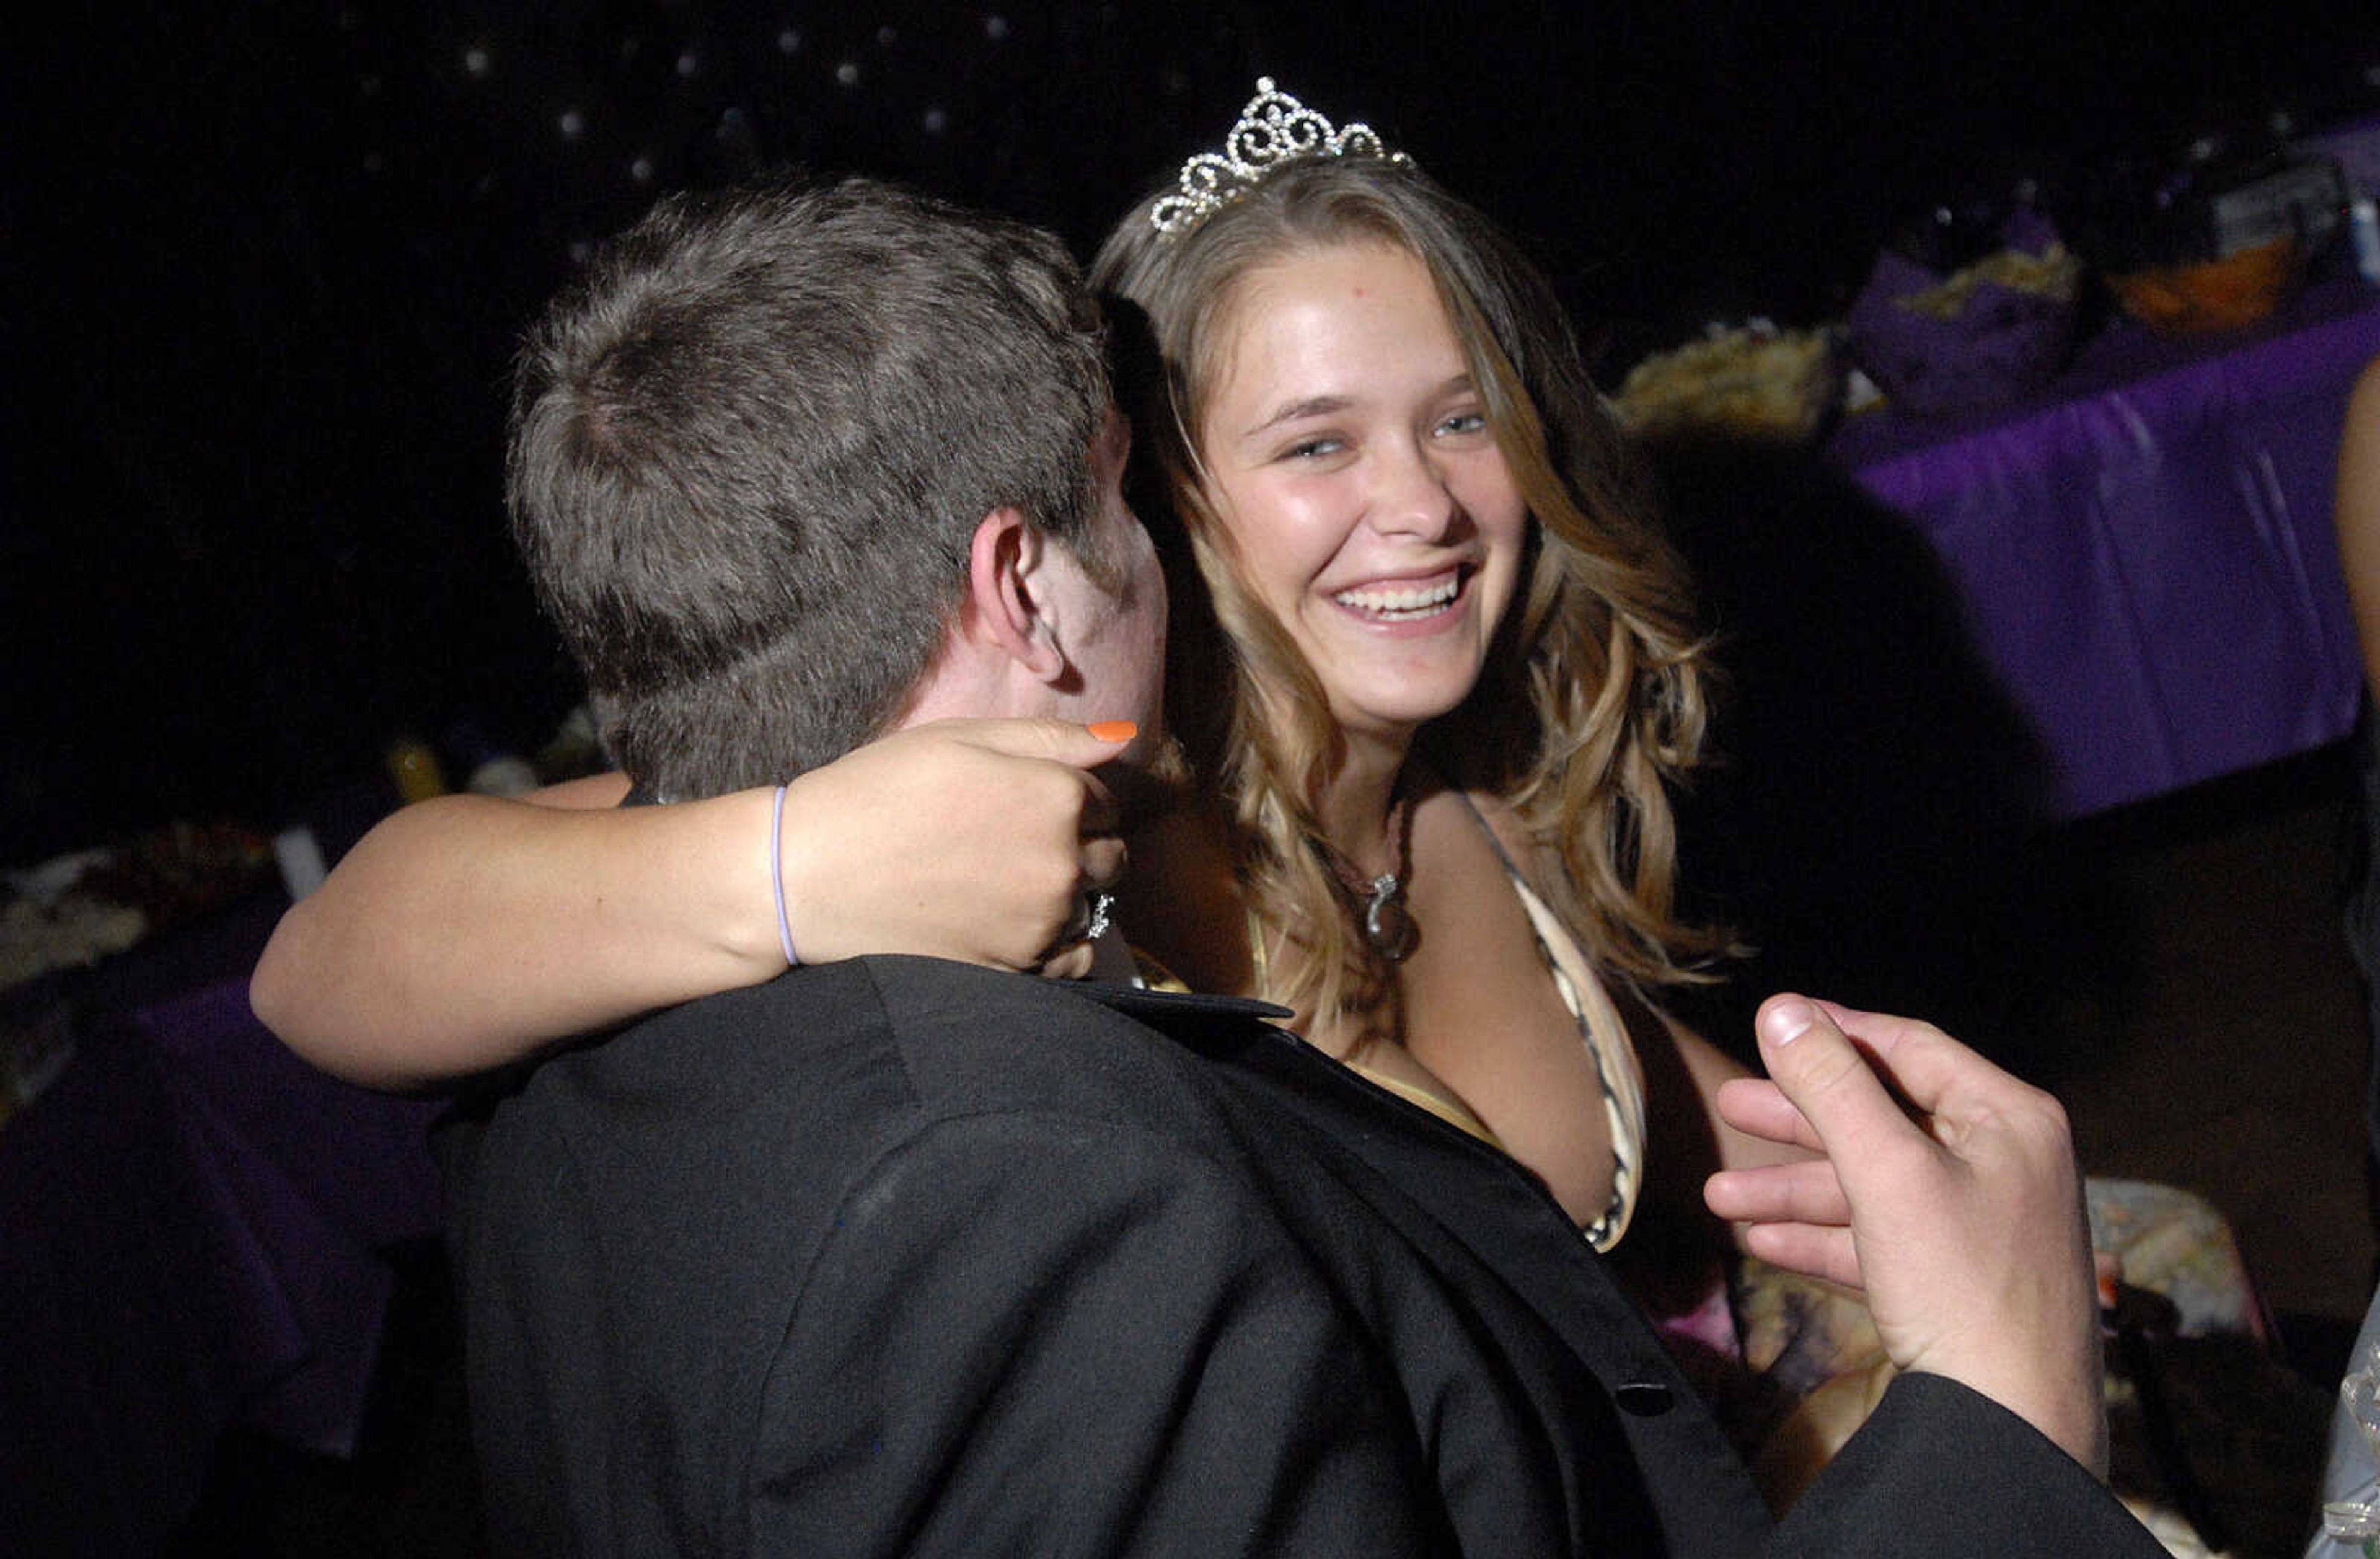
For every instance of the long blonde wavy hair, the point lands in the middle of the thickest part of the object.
(1592, 703)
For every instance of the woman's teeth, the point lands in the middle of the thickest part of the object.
(1397, 603)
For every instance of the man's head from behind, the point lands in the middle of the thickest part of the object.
(765, 449)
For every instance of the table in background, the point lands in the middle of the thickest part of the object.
(191, 1223)
(2144, 551)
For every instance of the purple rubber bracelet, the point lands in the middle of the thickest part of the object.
(777, 876)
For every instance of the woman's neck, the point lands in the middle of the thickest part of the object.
(1354, 804)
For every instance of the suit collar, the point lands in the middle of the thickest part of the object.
(1170, 1009)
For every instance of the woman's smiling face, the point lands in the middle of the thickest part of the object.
(1348, 455)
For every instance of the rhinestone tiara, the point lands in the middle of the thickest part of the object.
(1274, 129)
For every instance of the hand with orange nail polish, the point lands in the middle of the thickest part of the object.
(978, 840)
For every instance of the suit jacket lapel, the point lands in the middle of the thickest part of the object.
(1483, 1201)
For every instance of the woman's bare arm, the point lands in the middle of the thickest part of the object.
(2359, 515)
(1682, 1091)
(1709, 1067)
(466, 931)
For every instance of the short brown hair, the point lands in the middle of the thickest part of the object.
(750, 445)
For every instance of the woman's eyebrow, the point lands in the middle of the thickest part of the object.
(1311, 405)
(1324, 405)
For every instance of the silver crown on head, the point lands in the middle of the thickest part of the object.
(1274, 129)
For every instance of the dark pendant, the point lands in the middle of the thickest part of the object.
(1387, 925)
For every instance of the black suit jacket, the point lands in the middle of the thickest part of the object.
(899, 1256)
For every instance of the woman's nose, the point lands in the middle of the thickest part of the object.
(1413, 497)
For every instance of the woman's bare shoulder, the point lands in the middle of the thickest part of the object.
(1465, 815)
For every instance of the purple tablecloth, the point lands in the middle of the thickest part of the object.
(189, 1218)
(2144, 552)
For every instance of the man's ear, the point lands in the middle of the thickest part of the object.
(1004, 609)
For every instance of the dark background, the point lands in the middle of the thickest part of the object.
(265, 264)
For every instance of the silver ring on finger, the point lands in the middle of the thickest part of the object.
(1097, 910)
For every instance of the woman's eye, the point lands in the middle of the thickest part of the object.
(1465, 422)
(1314, 448)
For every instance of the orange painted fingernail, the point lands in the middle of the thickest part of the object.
(1113, 730)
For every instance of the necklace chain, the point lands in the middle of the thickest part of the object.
(1379, 900)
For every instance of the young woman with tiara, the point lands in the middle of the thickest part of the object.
(1435, 677)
